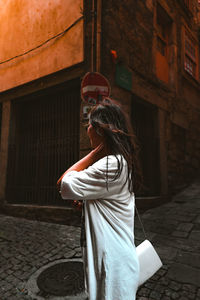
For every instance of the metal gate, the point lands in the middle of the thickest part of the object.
(44, 142)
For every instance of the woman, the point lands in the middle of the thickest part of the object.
(105, 179)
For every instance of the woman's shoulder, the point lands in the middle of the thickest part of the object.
(110, 161)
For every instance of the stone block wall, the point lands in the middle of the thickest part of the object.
(129, 28)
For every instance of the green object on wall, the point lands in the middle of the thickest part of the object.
(123, 77)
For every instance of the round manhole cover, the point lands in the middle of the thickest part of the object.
(63, 279)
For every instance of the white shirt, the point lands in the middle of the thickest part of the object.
(111, 263)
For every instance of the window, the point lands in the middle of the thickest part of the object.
(188, 4)
(162, 39)
(163, 27)
(198, 12)
(190, 55)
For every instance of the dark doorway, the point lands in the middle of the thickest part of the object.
(43, 143)
(145, 123)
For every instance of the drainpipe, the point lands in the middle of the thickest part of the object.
(93, 33)
(98, 36)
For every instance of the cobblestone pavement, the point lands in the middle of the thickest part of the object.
(174, 229)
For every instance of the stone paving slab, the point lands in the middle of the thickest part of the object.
(174, 229)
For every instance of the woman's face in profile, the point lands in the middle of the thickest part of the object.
(95, 138)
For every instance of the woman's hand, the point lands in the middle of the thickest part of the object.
(77, 204)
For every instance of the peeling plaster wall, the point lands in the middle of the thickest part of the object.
(25, 24)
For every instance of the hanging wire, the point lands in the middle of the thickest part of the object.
(53, 37)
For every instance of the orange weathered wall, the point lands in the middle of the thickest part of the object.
(24, 24)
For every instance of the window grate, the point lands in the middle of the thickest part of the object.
(44, 142)
(190, 61)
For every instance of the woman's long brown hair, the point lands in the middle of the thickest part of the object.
(109, 119)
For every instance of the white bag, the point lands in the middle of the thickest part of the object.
(149, 261)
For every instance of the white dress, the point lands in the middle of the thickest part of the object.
(111, 264)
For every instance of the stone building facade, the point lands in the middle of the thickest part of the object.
(158, 43)
(150, 52)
